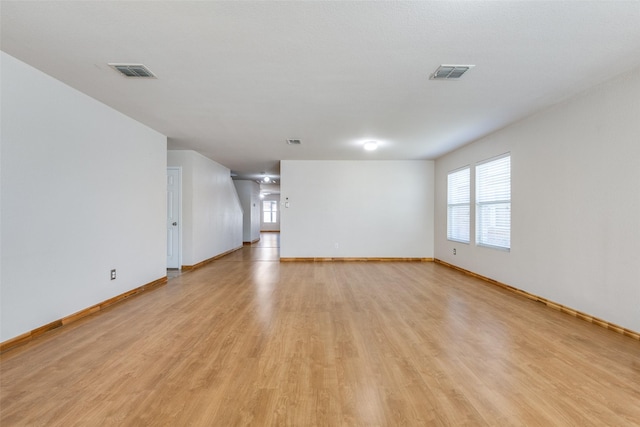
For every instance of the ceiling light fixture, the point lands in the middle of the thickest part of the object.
(266, 179)
(371, 145)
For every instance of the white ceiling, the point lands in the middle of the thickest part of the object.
(235, 79)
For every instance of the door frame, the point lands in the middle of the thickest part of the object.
(179, 170)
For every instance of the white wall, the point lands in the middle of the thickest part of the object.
(83, 191)
(575, 203)
(211, 211)
(368, 208)
(271, 226)
(249, 195)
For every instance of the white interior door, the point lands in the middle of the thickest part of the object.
(174, 189)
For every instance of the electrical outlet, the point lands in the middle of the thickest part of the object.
(454, 251)
(113, 274)
(337, 246)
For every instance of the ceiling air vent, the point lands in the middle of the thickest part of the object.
(294, 142)
(133, 70)
(450, 72)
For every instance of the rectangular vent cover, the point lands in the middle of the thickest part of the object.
(450, 72)
(294, 142)
(133, 70)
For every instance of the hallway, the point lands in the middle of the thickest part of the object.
(266, 249)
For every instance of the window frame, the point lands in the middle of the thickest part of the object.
(452, 206)
(272, 211)
(481, 203)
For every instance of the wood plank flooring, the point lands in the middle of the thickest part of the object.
(247, 340)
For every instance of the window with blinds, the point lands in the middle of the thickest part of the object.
(493, 203)
(458, 207)
(269, 211)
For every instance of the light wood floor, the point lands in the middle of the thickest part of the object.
(247, 340)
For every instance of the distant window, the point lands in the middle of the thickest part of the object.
(493, 203)
(458, 208)
(270, 211)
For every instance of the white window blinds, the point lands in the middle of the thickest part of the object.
(270, 211)
(493, 203)
(458, 198)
